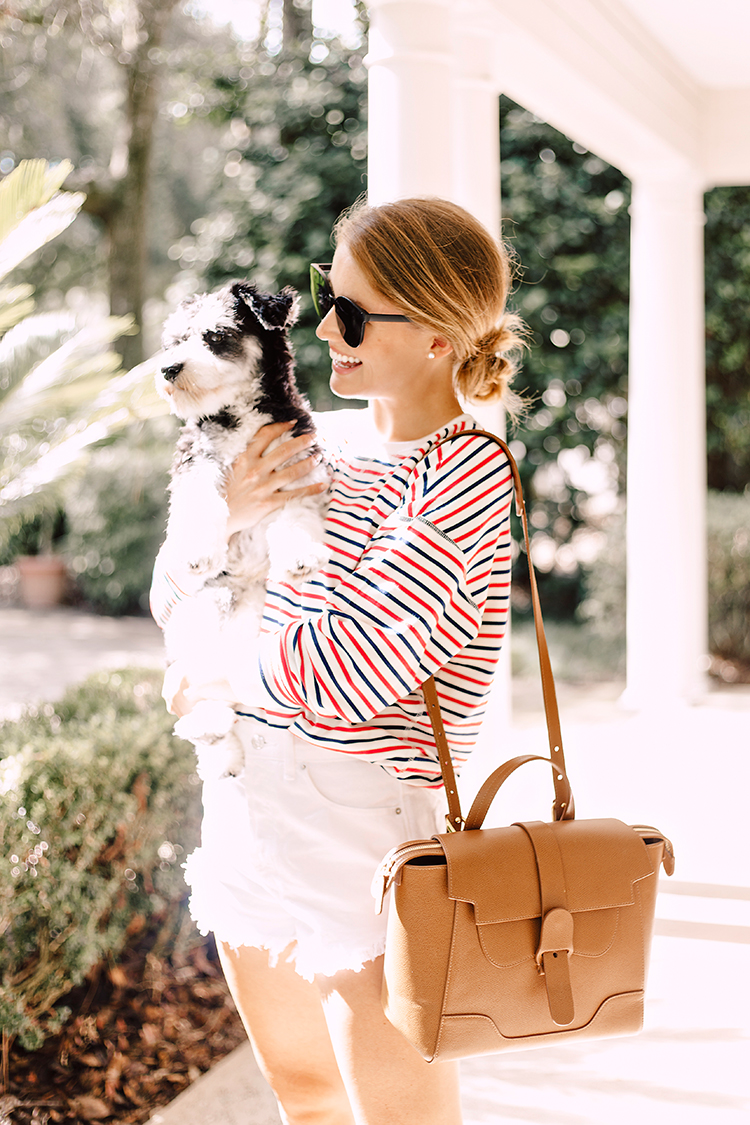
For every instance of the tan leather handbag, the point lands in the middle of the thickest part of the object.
(506, 938)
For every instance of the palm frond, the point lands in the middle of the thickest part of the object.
(130, 398)
(16, 303)
(38, 227)
(62, 387)
(86, 356)
(29, 342)
(30, 185)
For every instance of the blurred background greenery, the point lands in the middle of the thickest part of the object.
(205, 156)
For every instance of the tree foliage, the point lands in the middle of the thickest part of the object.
(565, 215)
(727, 342)
(126, 67)
(292, 159)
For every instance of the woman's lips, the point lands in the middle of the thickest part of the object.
(344, 362)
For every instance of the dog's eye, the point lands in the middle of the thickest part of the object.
(214, 339)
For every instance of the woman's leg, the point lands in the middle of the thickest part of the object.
(284, 1020)
(387, 1080)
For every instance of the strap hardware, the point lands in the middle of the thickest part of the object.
(552, 956)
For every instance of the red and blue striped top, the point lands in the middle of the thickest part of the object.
(417, 583)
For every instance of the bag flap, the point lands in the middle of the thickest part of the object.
(496, 870)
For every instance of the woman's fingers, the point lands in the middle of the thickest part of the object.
(263, 479)
(258, 461)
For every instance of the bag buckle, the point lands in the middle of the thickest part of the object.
(451, 827)
(555, 948)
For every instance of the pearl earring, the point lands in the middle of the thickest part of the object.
(430, 355)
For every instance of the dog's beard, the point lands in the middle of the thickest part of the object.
(207, 383)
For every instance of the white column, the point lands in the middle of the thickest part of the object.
(476, 129)
(666, 540)
(476, 186)
(409, 101)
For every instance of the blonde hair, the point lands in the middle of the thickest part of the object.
(444, 270)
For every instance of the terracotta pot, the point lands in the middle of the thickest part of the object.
(42, 580)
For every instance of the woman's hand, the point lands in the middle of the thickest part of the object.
(181, 696)
(260, 479)
(173, 691)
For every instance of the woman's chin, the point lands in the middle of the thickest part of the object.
(345, 384)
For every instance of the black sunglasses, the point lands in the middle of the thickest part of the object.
(351, 318)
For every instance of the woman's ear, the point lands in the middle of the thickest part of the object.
(440, 346)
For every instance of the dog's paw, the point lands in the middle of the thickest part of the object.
(300, 563)
(209, 721)
(224, 757)
(308, 564)
(210, 728)
(209, 565)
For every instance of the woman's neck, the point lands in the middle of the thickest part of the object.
(402, 422)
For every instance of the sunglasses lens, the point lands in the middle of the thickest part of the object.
(351, 321)
(320, 289)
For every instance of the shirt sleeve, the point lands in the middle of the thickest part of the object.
(414, 600)
(172, 583)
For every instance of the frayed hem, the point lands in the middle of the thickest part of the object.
(309, 953)
(307, 963)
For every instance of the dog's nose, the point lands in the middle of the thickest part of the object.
(171, 373)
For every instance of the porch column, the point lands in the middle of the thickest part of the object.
(666, 483)
(409, 99)
(476, 129)
(476, 186)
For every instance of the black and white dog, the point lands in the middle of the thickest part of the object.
(227, 369)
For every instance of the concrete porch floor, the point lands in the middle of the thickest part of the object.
(683, 769)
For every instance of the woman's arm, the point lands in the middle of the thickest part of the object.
(416, 598)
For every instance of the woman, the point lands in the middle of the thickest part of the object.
(340, 760)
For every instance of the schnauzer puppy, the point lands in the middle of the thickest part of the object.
(227, 369)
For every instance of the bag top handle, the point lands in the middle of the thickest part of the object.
(563, 805)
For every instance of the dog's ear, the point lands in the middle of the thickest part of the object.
(274, 311)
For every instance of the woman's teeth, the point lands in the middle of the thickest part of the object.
(344, 360)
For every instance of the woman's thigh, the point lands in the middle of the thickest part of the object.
(386, 1079)
(327, 1050)
(284, 1020)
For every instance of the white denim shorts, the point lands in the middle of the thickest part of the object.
(289, 849)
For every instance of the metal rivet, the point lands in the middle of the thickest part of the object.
(398, 811)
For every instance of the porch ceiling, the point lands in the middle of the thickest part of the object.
(709, 40)
(653, 86)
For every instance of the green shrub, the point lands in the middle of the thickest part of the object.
(603, 606)
(728, 531)
(98, 802)
(729, 575)
(116, 515)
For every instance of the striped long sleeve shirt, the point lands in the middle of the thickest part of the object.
(417, 583)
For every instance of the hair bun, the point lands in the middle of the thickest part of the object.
(488, 370)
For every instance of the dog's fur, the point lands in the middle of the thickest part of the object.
(227, 369)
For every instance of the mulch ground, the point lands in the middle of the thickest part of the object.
(141, 1031)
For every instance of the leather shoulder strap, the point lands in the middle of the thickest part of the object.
(562, 808)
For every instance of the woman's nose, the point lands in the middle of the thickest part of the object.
(328, 326)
